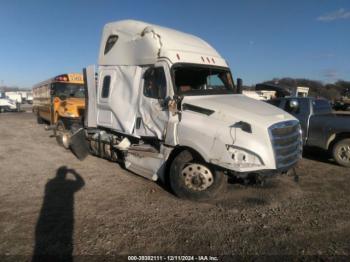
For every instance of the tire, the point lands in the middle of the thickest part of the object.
(341, 152)
(39, 120)
(188, 183)
(59, 131)
(60, 126)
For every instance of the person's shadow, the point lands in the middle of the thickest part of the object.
(54, 229)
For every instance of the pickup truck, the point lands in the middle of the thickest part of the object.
(320, 126)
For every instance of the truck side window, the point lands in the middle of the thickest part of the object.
(105, 86)
(154, 83)
(321, 106)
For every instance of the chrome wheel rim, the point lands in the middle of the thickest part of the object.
(197, 177)
(344, 153)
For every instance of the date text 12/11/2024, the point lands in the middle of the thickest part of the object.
(172, 258)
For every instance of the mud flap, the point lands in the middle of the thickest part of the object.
(79, 145)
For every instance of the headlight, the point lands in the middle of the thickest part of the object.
(244, 158)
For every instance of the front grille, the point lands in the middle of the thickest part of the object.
(286, 142)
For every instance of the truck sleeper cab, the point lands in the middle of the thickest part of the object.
(167, 108)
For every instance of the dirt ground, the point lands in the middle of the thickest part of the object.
(52, 203)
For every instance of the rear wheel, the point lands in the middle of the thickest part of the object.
(341, 152)
(60, 127)
(39, 120)
(193, 179)
(59, 132)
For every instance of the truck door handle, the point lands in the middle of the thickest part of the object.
(138, 122)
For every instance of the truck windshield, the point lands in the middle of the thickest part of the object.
(199, 80)
(69, 90)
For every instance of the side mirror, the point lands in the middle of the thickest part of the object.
(239, 85)
(293, 105)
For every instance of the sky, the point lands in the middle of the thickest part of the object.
(261, 39)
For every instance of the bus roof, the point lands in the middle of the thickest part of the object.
(72, 78)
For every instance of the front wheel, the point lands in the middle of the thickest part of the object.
(341, 152)
(60, 126)
(193, 179)
(39, 120)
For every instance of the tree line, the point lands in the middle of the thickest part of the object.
(332, 92)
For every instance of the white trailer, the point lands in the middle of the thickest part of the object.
(166, 107)
(14, 95)
(6, 104)
(259, 95)
(302, 91)
(30, 97)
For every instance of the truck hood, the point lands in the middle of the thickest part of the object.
(233, 108)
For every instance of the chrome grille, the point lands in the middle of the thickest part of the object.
(286, 142)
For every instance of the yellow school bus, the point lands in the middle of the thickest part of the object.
(60, 100)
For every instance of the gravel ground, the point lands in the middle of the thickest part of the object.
(52, 203)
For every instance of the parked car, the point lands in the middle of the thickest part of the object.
(321, 127)
(341, 105)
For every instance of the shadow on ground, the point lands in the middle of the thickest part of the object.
(319, 155)
(55, 226)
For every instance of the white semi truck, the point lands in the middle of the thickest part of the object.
(163, 103)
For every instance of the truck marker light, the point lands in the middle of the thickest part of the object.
(202, 59)
(208, 60)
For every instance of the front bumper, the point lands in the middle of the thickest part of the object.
(261, 172)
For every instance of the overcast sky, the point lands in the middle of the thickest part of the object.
(260, 39)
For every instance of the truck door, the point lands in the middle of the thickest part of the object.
(302, 113)
(319, 129)
(153, 113)
(104, 112)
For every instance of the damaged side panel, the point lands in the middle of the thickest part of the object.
(194, 132)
